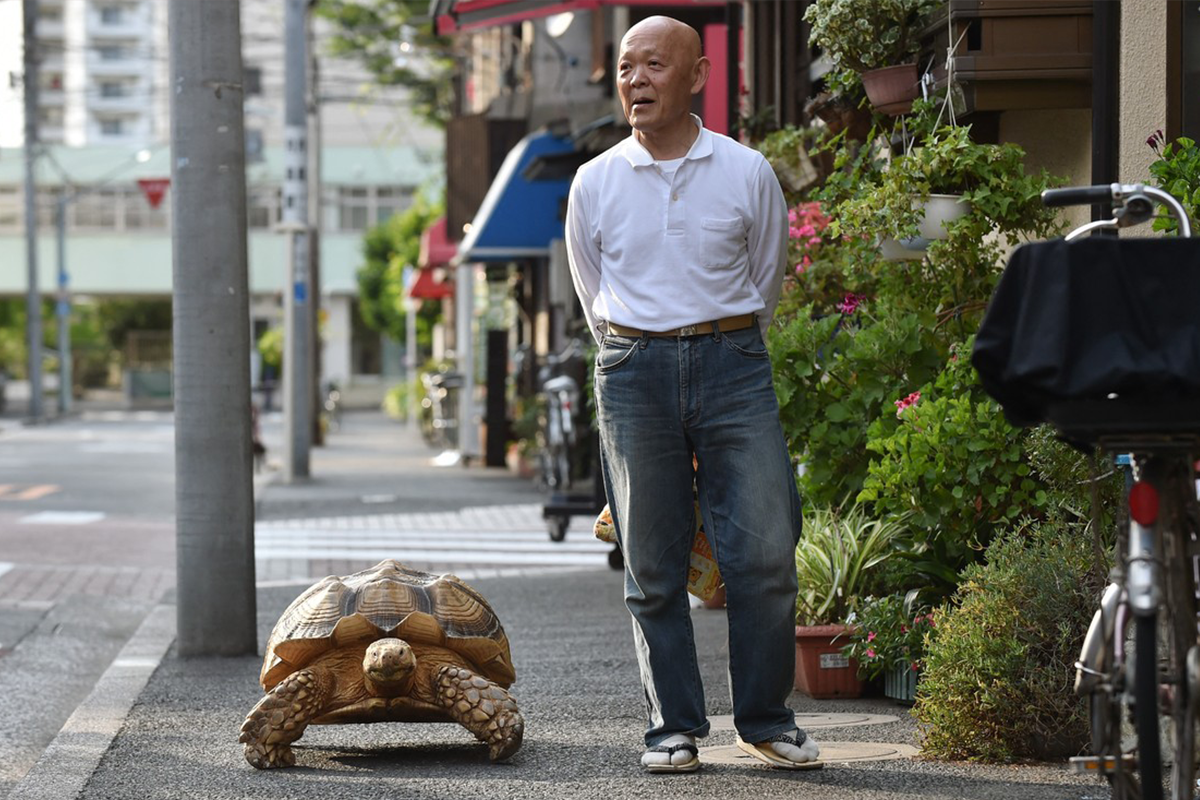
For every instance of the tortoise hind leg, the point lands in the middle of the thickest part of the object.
(281, 717)
(482, 707)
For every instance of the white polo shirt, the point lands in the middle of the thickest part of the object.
(657, 250)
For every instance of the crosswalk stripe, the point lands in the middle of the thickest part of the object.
(494, 535)
(546, 557)
(453, 539)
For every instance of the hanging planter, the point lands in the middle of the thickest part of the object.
(892, 90)
(940, 210)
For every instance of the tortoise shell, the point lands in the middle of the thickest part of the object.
(388, 600)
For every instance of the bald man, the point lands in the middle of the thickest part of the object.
(677, 239)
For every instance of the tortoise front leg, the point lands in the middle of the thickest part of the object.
(281, 717)
(482, 707)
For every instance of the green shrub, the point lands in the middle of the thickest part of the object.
(997, 684)
(836, 553)
(950, 461)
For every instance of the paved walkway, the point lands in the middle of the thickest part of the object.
(156, 726)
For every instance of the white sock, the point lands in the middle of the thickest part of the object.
(678, 757)
(804, 753)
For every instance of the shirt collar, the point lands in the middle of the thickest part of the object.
(638, 156)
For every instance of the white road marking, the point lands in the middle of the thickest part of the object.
(5, 567)
(62, 518)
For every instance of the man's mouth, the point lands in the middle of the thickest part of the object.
(641, 102)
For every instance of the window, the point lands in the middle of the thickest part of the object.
(262, 206)
(112, 52)
(50, 117)
(11, 198)
(390, 200)
(115, 88)
(353, 206)
(98, 209)
(113, 126)
(252, 81)
(50, 15)
(112, 15)
(47, 205)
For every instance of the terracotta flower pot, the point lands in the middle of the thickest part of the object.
(891, 90)
(822, 671)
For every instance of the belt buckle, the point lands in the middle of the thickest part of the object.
(687, 330)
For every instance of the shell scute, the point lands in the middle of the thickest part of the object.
(388, 600)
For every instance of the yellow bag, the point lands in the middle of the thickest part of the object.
(703, 577)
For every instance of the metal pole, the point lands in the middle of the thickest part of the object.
(410, 345)
(63, 308)
(33, 299)
(214, 494)
(298, 359)
(464, 348)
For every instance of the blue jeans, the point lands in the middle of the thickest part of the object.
(658, 402)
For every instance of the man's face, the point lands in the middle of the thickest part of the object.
(656, 71)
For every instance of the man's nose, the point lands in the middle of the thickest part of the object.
(637, 76)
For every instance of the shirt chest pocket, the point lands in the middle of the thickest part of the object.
(721, 241)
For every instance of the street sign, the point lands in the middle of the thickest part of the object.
(154, 189)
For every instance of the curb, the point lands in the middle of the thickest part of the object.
(69, 761)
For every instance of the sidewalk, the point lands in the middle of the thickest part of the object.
(160, 727)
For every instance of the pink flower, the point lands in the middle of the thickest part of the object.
(850, 303)
(903, 628)
(906, 402)
(871, 636)
(870, 653)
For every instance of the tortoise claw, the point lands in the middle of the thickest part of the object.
(484, 708)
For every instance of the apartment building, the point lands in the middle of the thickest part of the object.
(102, 72)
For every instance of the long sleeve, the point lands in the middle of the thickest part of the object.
(583, 253)
(767, 240)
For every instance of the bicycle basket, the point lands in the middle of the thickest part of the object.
(1100, 337)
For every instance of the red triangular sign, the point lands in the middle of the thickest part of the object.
(154, 189)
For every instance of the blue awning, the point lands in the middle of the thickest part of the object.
(519, 217)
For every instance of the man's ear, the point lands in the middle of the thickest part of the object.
(700, 74)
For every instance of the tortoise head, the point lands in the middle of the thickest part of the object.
(388, 668)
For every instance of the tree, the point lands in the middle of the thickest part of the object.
(387, 249)
(396, 42)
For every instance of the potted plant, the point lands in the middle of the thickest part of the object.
(833, 559)
(887, 641)
(879, 39)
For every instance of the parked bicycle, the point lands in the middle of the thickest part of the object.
(558, 435)
(1100, 336)
(439, 409)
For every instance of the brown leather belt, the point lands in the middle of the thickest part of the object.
(727, 325)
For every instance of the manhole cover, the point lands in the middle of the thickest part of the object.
(831, 753)
(724, 722)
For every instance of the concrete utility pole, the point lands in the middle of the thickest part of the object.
(297, 360)
(312, 109)
(214, 495)
(33, 298)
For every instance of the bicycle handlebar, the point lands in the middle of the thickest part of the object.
(1077, 195)
(1132, 204)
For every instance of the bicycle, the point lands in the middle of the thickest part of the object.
(1053, 348)
(558, 435)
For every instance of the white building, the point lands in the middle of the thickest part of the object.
(104, 72)
(102, 68)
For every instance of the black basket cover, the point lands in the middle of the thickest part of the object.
(1085, 321)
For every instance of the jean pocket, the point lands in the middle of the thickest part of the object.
(747, 343)
(721, 242)
(615, 352)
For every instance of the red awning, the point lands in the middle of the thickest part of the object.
(465, 15)
(436, 247)
(428, 287)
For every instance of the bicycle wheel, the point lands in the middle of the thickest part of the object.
(1145, 698)
(1179, 630)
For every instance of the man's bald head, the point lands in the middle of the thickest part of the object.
(678, 34)
(659, 69)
